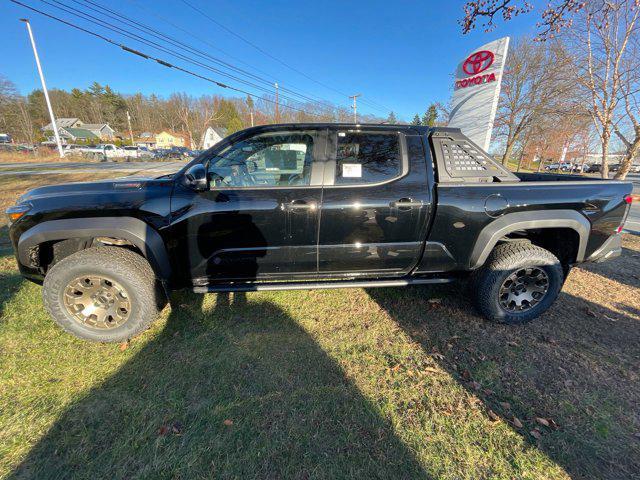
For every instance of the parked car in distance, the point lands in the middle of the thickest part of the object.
(103, 152)
(305, 206)
(137, 152)
(5, 138)
(72, 149)
(593, 168)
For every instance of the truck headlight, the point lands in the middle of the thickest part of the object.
(17, 211)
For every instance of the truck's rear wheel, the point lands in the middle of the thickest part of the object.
(103, 294)
(519, 282)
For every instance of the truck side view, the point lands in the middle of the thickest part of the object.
(307, 206)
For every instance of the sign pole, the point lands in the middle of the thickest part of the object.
(44, 88)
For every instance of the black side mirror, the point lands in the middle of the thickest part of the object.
(196, 178)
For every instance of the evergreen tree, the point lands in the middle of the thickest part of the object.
(416, 120)
(229, 116)
(431, 116)
(392, 118)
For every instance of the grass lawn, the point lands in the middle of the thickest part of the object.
(380, 383)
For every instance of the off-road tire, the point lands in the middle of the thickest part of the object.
(124, 266)
(503, 261)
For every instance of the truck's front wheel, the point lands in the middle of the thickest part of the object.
(102, 294)
(519, 282)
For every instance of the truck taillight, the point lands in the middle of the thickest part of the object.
(628, 199)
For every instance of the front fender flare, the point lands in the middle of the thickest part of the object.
(140, 234)
(511, 222)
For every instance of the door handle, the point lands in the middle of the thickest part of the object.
(299, 205)
(406, 203)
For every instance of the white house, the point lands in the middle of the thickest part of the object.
(212, 135)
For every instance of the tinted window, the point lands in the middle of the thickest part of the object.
(367, 157)
(270, 159)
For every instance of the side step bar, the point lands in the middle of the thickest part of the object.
(258, 287)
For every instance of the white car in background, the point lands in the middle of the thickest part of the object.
(137, 152)
(103, 152)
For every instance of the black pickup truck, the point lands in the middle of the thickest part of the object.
(308, 206)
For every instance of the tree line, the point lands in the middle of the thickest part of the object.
(24, 116)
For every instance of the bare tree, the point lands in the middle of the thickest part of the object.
(599, 49)
(557, 15)
(536, 83)
(630, 140)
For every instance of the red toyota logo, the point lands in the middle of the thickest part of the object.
(478, 62)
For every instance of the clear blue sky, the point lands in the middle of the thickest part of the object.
(400, 54)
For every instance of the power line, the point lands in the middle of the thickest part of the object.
(112, 14)
(150, 57)
(282, 62)
(205, 41)
(114, 28)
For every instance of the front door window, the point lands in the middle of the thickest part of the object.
(268, 160)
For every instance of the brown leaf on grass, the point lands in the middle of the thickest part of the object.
(437, 356)
(513, 344)
(493, 416)
(487, 391)
(228, 422)
(431, 370)
(553, 424)
(542, 421)
(396, 368)
(516, 422)
(589, 312)
(535, 433)
(163, 430)
(505, 405)
(124, 346)
(475, 385)
(466, 374)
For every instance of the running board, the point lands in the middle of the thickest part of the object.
(257, 287)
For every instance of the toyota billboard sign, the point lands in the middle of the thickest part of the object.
(476, 91)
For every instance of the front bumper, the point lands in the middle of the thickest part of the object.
(611, 248)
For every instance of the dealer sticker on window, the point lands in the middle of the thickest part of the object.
(351, 170)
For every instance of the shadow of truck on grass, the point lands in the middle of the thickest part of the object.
(578, 367)
(237, 391)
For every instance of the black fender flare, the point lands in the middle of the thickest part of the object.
(511, 222)
(135, 231)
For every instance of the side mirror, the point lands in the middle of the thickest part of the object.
(196, 178)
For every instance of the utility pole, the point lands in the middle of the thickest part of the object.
(44, 88)
(130, 131)
(355, 106)
(277, 106)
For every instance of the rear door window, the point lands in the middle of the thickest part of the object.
(364, 158)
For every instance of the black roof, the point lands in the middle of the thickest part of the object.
(396, 126)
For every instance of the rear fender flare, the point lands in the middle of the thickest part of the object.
(512, 222)
(135, 231)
